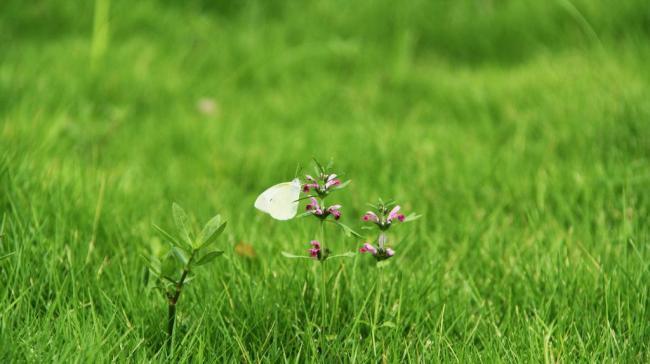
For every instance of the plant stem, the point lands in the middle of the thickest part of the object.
(171, 319)
(173, 299)
(378, 292)
(323, 287)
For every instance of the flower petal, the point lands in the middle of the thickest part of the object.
(393, 213)
(368, 248)
(332, 183)
(370, 216)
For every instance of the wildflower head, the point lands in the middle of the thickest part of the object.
(314, 251)
(385, 215)
(371, 216)
(335, 210)
(380, 253)
(395, 215)
(314, 207)
(368, 248)
(323, 212)
(317, 252)
(321, 183)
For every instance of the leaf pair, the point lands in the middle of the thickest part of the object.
(211, 231)
(187, 249)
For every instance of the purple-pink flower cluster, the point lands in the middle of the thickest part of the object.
(314, 251)
(384, 220)
(322, 185)
(378, 253)
(317, 187)
(315, 208)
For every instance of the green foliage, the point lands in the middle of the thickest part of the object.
(521, 138)
(185, 252)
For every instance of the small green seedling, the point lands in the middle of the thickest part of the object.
(187, 251)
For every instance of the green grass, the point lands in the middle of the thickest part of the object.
(520, 130)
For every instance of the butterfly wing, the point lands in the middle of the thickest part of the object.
(280, 201)
(263, 202)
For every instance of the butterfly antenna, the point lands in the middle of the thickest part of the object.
(298, 170)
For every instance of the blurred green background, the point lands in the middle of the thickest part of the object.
(519, 129)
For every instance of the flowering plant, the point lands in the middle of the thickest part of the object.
(385, 215)
(317, 188)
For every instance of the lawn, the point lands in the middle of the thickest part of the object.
(519, 130)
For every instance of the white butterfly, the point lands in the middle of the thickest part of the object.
(280, 201)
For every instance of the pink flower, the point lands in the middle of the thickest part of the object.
(332, 181)
(314, 207)
(314, 252)
(368, 248)
(335, 210)
(308, 186)
(370, 216)
(380, 253)
(321, 184)
(312, 184)
(393, 214)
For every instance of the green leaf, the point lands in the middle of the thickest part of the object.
(180, 255)
(171, 239)
(330, 164)
(182, 222)
(211, 231)
(347, 230)
(208, 257)
(319, 167)
(412, 217)
(293, 256)
(190, 277)
(169, 266)
(389, 203)
(342, 185)
(152, 263)
(145, 276)
(304, 214)
(344, 255)
(168, 280)
(167, 284)
(375, 207)
(7, 256)
(389, 324)
(304, 198)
